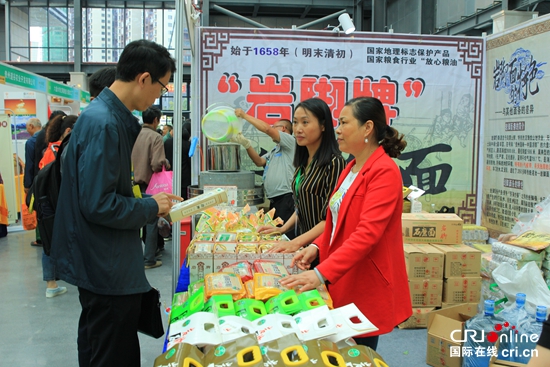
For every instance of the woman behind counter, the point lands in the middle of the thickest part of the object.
(361, 248)
(318, 165)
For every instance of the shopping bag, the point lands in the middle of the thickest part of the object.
(28, 218)
(160, 182)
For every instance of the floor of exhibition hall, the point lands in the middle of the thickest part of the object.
(38, 331)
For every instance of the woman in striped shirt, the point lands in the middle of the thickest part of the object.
(318, 163)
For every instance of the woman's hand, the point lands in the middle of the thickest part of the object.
(240, 113)
(268, 229)
(305, 281)
(304, 258)
(286, 247)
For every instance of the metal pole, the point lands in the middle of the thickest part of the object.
(77, 11)
(322, 20)
(7, 10)
(177, 126)
(235, 15)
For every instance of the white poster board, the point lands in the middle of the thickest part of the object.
(430, 87)
(517, 133)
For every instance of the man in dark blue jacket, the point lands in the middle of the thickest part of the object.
(96, 243)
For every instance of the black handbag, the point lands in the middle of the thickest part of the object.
(150, 319)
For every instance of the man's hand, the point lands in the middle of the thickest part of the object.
(165, 202)
(240, 139)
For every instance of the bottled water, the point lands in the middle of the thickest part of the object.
(482, 332)
(529, 333)
(515, 318)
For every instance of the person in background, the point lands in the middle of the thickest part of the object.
(278, 163)
(58, 128)
(96, 231)
(148, 157)
(185, 159)
(41, 142)
(34, 126)
(166, 132)
(542, 356)
(318, 165)
(103, 78)
(362, 238)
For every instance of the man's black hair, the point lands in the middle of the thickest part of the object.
(101, 79)
(150, 114)
(144, 56)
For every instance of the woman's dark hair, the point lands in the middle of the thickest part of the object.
(328, 146)
(56, 113)
(369, 108)
(57, 127)
(144, 56)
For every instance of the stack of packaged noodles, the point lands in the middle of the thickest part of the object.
(224, 238)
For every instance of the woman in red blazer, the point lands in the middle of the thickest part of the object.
(361, 248)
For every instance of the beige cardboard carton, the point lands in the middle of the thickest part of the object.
(418, 320)
(423, 261)
(432, 228)
(426, 292)
(197, 204)
(461, 261)
(224, 254)
(200, 259)
(462, 290)
(447, 305)
(441, 324)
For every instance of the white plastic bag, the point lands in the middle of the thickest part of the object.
(526, 280)
(538, 220)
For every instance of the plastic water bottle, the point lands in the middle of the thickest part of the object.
(479, 346)
(514, 316)
(528, 336)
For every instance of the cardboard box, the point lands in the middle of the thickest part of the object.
(423, 261)
(442, 350)
(200, 264)
(199, 259)
(418, 320)
(461, 261)
(221, 260)
(462, 290)
(447, 305)
(432, 228)
(197, 204)
(426, 292)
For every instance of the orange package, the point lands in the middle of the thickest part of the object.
(224, 283)
(267, 286)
